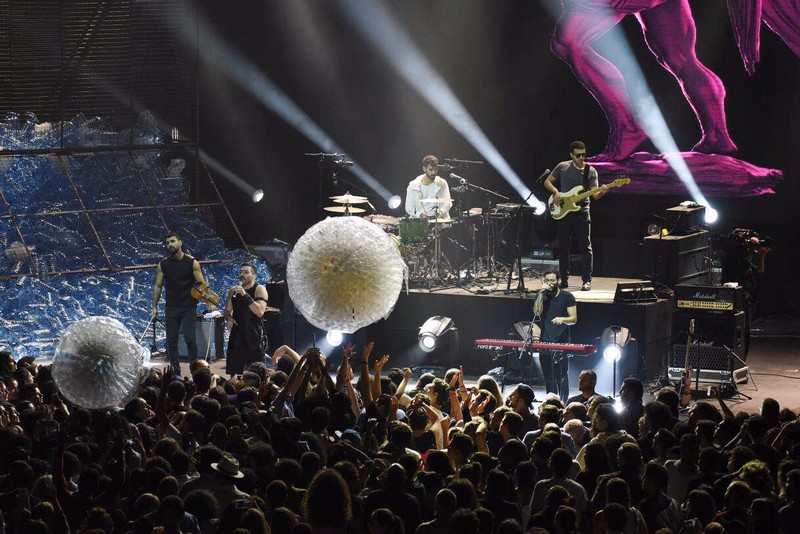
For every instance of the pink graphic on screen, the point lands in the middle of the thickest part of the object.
(669, 30)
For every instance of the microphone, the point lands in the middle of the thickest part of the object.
(544, 175)
(461, 180)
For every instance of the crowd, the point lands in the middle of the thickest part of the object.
(296, 448)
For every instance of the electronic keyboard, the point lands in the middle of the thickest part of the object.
(500, 344)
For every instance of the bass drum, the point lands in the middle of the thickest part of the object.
(413, 230)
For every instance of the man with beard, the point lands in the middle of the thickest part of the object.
(556, 311)
(179, 271)
(244, 307)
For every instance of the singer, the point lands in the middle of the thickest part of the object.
(555, 311)
(244, 307)
(428, 186)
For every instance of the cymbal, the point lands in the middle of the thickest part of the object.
(344, 209)
(349, 199)
(435, 200)
(439, 221)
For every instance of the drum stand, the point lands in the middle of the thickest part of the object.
(438, 266)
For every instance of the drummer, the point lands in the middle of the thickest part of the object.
(428, 195)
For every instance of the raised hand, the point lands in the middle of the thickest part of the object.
(367, 351)
(380, 363)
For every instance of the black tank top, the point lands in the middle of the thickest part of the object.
(178, 281)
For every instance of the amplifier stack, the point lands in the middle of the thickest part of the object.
(717, 352)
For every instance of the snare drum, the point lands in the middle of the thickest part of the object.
(386, 222)
(413, 230)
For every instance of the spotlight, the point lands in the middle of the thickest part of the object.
(613, 340)
(432, 330)
(258, 194)
(711, 215)
(334, 338)
(395, 202)
(653, 229)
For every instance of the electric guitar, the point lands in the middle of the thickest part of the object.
(686, 375)
(569, 199)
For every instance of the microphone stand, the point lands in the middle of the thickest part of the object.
(490, 232)
(518, 253)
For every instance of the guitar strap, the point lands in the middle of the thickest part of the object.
(586, 170)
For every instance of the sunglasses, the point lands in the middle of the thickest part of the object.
(581, 155)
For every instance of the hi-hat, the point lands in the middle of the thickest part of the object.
(435, 200)
(344, 209)
(349, 199)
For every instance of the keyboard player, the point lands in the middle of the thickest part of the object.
(555, 310)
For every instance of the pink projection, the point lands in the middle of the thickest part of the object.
(669, 30)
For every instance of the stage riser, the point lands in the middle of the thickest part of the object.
(491, 317)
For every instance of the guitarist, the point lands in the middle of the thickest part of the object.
(565, 176)
(179, 272)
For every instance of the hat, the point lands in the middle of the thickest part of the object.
(228, 466)
(525, 392)
(352, 436)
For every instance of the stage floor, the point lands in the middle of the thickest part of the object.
(602, 291)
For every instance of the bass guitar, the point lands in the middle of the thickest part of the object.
(568, 201)
(685, 392)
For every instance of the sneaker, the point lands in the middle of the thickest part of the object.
(564, 284)
(587, 286)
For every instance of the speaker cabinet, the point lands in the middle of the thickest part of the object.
(676, 259)
(713, 332)
(715, 329)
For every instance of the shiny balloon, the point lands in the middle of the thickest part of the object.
(97, 363)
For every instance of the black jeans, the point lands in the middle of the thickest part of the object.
(555, 368)
(175, 320)
(579, 226)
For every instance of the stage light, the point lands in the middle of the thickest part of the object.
(334, 338)
(432, 330)
(711, 215)
(229, 175)
(613, 340)
(653, 229)
(395, 202)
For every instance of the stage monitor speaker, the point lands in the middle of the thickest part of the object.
(635, 293)
(208, 334)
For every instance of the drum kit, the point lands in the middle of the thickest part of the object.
(431, 246)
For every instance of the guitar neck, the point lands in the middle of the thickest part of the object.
(590, 192)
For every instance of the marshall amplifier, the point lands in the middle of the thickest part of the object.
(708, 298)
